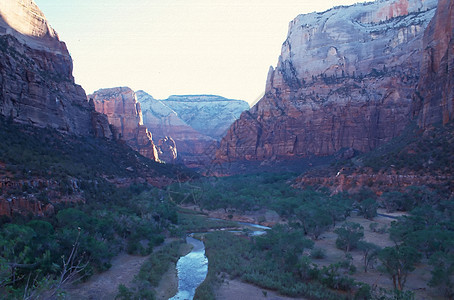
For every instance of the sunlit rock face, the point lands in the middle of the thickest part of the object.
(125, 115)
(435, 97)
(36, 82)
(345, 79)
(26, 22)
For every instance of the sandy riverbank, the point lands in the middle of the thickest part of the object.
(168, 286)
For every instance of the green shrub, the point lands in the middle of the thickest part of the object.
(318, 253)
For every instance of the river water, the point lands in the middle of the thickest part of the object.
(192, 270)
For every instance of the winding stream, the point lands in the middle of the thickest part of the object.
(193, 268)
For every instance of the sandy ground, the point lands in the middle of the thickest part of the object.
(168, 286)
(416, 281)
(104, 286)
(235, 289)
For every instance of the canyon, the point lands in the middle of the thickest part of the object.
(346, 78)
(366, 88)
(194, 122)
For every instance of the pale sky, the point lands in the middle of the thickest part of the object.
(173, 47)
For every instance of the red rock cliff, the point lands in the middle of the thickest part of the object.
(345, 79)
(123, 112)
(36, 82)
(435, 97)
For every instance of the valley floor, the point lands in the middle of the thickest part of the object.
(104, 286)
(125, 267)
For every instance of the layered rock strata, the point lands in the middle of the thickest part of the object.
(125, 115)
(36, 82)
(345, 79)
(435, 96)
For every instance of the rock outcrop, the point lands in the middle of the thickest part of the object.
(125, 115)
(345, 79)
(36, 82)
(435, 97)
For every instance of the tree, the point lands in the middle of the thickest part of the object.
(392, 201)
(367, 208)
(370, 252)
(443, 272)
(398, 262)
(349, 234)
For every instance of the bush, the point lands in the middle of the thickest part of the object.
(318, 253)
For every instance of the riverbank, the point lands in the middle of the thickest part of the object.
(264, 217)
(104, 286)
(236, 289)
(168, 286)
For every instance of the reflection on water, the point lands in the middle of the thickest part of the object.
(192, 270)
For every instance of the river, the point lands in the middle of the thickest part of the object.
(193, 268)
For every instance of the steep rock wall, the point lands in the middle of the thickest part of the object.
(435, 97)
(125, 115)
(36, 82)
(345, 79)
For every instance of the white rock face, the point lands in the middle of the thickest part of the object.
(354, 40)
(208, 114)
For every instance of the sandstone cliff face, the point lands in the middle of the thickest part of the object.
(125, 115)
(36, 82)
(435, 97)
(345, 79)
(167, 126)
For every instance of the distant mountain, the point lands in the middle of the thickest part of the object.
(194, 122)
(208, 114)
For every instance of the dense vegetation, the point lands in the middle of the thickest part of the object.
(79, 236)
(272, 261)
(29, 151)
(425, 237)
(38, 255)
(42, 254)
